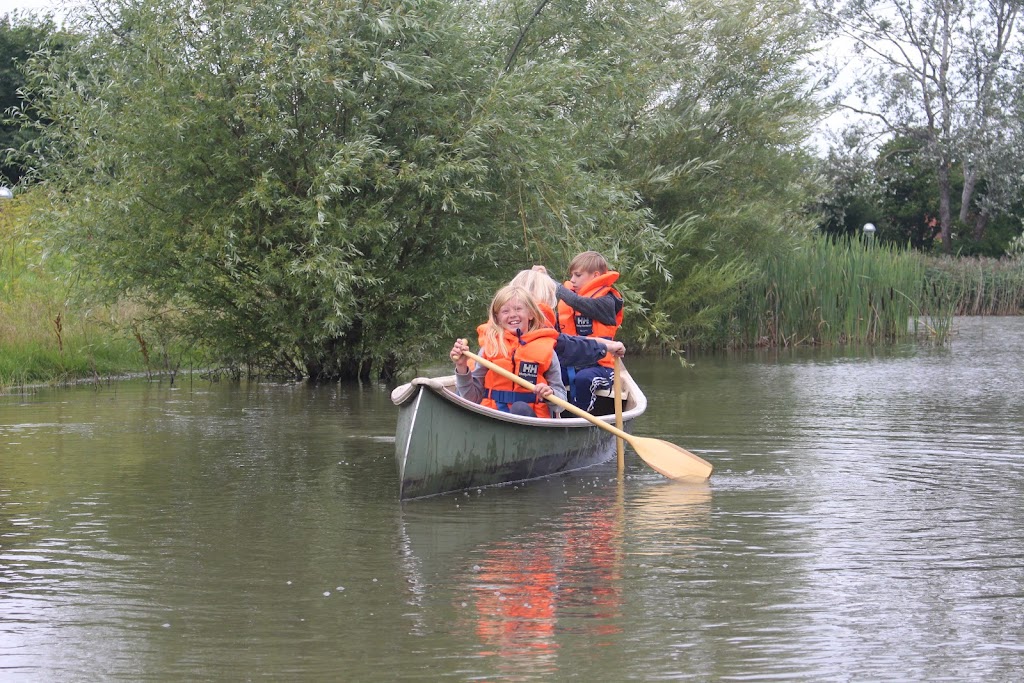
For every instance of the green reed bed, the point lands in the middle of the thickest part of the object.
(828, 292)
(979, 286)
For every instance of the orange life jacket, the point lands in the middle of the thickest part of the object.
(571, 321)
(529, 357)
(549, 315)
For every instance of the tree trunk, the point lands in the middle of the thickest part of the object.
(945, 211)
(981, 218)
(980, 223)
(970, 180)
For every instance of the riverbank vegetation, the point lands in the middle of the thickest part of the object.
(937, 103)
(837, 292)
(978, 286)
(327, 190)
(51, 332)
(42, 335)
(830, 290)
(332, 191)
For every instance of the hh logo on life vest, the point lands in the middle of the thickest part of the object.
(528, 371)
(584, 326)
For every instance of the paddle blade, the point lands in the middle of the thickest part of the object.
(671, 460)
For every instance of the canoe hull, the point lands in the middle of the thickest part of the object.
(444, 443)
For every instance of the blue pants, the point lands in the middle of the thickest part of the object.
(583, 382)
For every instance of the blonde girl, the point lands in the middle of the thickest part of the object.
(516, 337)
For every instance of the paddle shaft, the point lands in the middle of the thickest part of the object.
(664, 457)
(620, 447)
(579, 412)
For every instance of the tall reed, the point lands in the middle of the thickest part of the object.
(980, 286)
(851, 291)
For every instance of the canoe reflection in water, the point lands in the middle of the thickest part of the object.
(564, 578)
(533, 574)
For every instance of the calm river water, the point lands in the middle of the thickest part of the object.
(864, 522)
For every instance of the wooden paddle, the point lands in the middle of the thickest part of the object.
(620, 450)
(663, 457)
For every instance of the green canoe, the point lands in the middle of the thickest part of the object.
(445, 443)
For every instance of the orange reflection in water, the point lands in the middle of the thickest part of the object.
(528, 589)
(515, 601)
(566, 578)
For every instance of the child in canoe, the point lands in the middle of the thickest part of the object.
(517, 338)
(588, 306)
(572, 350)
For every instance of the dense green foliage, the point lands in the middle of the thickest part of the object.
(324, 188)
(721, 161)
(49, 335)
(897, 193)
(335, 189)
(20, 36)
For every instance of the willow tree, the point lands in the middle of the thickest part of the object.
(943, 73)
(720, 157)
(332, 188)
(702, 108)
(20, 36)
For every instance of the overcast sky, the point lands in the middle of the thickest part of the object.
(54, 6)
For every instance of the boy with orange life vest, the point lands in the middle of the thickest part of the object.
(589, 306)
(572, 350)
(516, 338)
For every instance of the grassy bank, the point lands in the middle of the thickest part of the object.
(50, 333)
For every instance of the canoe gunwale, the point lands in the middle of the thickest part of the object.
(444, 387)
